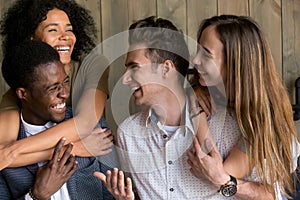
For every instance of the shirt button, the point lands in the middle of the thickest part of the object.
(165, 136)
(171, 189)
(170, 162)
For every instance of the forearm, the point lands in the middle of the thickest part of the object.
(46, 139)
(73, 129)
(9, 126)
(252, 191)
(31, 158)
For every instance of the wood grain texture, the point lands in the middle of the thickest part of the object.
(268, 14)
(279, 19)
(233, 7)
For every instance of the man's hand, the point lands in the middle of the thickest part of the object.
(98, 143)
(51, 177)
(114, 182)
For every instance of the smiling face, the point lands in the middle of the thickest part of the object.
(46, 99)
(210, 60)
(143, 77)
(57, 31)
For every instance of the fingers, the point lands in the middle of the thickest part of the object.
(129, 190)
(114, 180)
(58, 149)
(101, 131)
(101, 177)
(116, 184)
(197, 148)
(71, 166)
(108, 180)
(121, 186)
(65, 157)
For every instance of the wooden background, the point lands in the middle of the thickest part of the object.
(280, 20)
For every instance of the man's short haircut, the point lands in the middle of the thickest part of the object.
(20, 62)
(163, 41)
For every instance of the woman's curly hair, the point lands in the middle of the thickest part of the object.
(23, 17)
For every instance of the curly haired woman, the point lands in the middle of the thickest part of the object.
(68, 28)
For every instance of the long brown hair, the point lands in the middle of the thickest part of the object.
(256, 95)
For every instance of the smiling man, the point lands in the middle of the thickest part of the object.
(153, 143)
(34, 71)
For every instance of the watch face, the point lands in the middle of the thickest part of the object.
(229, 190)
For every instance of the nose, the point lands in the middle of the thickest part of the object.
(64, 91)
(197, 61)
(64, 36)
(126, 77)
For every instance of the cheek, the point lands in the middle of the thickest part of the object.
(48, 40)
(73, 37)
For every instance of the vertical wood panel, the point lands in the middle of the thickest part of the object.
(94, 7)
(175, 11)
(233, 7)
(291, 47)
(139, 9)
(114, 20)
(291, 43)
(115, 16)
(268, 14)
(197, 11)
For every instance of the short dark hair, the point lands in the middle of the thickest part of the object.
(163, 40)
(23, 17)
(20, 62)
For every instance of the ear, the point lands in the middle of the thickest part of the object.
(22, 93)
(167, 66)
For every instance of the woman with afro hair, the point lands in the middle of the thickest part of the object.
(69, 29)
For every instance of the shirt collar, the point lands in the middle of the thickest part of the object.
(31, 129)
(186, 120)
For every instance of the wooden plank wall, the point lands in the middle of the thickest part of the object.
(280, 20)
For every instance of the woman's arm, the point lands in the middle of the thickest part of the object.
(237, 163)
(211, 168)
(80, 126)
(9, 126)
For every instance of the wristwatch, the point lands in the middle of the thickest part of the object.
(230, 188)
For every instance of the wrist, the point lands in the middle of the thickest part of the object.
(223, 179)
(229, 188)
(36, 196)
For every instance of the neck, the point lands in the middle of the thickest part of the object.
(170, 107)
(29, 119)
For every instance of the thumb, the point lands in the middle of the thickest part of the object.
(100, 176)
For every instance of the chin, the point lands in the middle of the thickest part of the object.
(58, 119)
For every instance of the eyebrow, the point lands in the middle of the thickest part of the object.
(55, 84)
(206, 49)
(131, 63)
(55, 24)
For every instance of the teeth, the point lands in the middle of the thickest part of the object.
(200, 72)
(135, 88)
(62, 48)
(59, 106)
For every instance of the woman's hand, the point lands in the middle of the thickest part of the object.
(201, 98)
(208, 166)
(115, 183)
(98, 143)
(51, 177)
